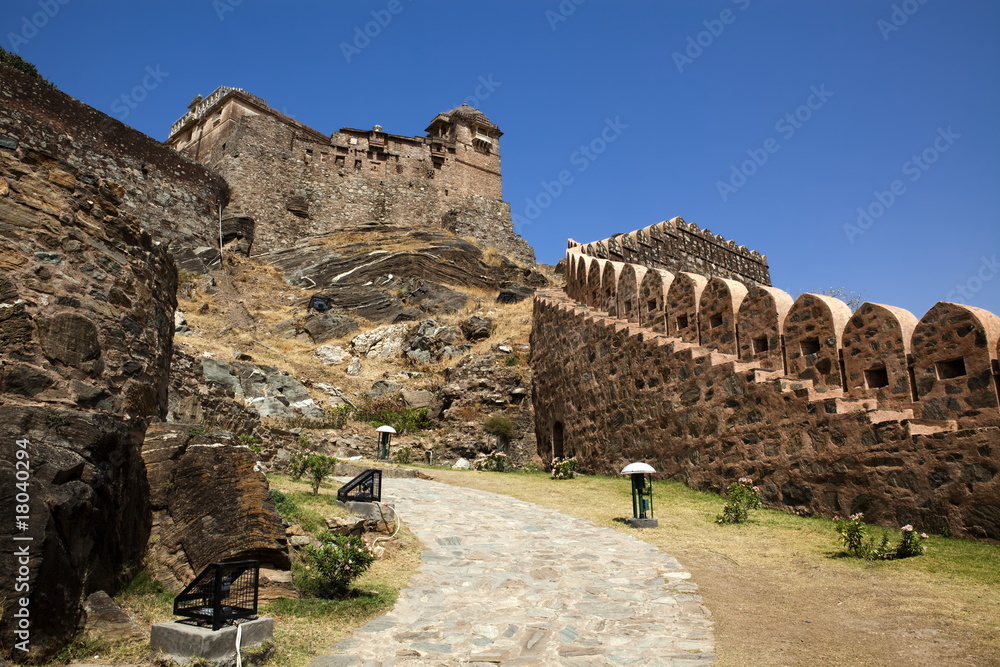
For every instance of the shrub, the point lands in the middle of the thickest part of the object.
(564, 468)
(251, 443)
(19, 63)
(500, 426)
(402, 455)
(742, 496)
(311, 464)
(495, 462)
(853, 536)
(392, 410)
(511, 360)
(331, 566)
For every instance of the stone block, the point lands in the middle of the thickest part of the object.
(184, 642)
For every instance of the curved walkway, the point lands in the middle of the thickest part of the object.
(511, 583)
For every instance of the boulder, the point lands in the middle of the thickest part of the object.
(105, 620)
(331, 355)
(461, 464)
(324, 326)
(515, 294)
(385, 342)
(354, 368)
(383, 388)
(417, 398)
(477, 328)
(196, 523)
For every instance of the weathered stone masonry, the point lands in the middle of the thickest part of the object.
(709, 380)
(86, 323)
(290, 181)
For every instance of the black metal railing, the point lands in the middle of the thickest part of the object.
(365, 488)
(223, 592)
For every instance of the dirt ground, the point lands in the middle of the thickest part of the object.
(779, 592)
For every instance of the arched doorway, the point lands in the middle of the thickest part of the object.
(557, 440)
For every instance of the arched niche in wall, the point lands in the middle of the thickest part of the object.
(954, 348)
(759, 326)
(717, 308)
(814, 328)
(682, 306)
(628, 291)
(609, 287)
(875, 347)
(594, 293)
(653, 299)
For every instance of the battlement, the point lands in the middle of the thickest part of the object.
(294, 181)
(710, 378)
(677, 245)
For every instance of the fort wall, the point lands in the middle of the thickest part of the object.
(830, 412)
(176, 200)
(676, 245)
(296, 182)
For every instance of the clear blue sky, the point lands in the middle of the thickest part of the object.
(684, 93)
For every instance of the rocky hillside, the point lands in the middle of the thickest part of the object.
(409, 319)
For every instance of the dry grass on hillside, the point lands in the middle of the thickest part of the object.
(778, 590)
(250, 297)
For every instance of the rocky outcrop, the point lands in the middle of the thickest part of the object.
(209, 503)
(481, 386)
(234, 396)
(401, 274)
(86, 323)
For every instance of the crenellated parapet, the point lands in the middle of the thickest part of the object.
(713, 378)
(675, 245)
(942, 367)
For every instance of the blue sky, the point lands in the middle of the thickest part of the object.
(770, 122)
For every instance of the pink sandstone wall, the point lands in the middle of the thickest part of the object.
(830, 412)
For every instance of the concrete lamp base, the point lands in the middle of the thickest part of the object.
(183, 642)
(642, 523)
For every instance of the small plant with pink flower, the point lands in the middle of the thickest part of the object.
(742, 496)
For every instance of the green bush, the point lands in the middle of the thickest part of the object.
(392, 410)
(313, 465)
(19, 63)
(857, 543)
(402, 455)
(743, 496)
(500, 426)
(331, 567)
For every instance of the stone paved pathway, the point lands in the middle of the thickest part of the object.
(511, 583)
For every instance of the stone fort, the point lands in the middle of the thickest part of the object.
(668, 345)
(290, 181)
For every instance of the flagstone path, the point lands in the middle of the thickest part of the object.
(511, 583)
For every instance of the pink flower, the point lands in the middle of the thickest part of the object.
(923, 536)
(908, 528)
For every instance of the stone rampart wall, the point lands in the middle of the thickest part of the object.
(87, 299)
(676, 245)
(709, 379)
(141, 176)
